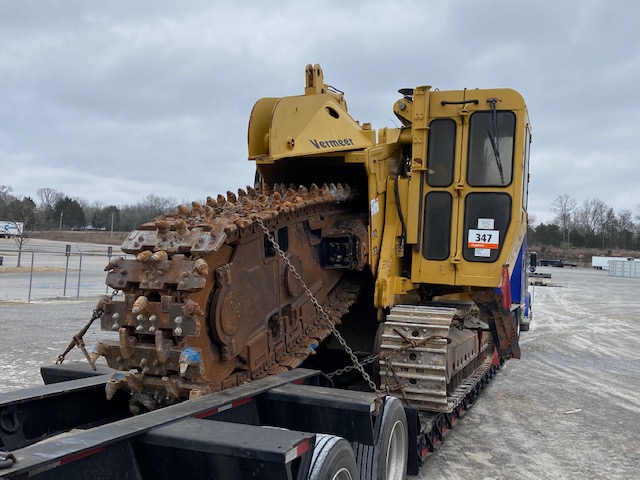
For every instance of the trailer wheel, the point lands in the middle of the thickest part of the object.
(332, 459)
(387, 459)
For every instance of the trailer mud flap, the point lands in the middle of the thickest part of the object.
(502, 322)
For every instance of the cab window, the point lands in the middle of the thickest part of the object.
(441, 152)
(491, 143)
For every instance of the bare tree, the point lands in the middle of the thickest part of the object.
(564, 207)
(48, 198)
(5, 192)
(91, 210)
(5, 199)
(625, 225)
(23, 215)
(590, 216)
(158, 205)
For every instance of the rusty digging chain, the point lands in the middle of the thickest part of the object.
(357, 364)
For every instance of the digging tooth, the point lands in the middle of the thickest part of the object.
(112, 386)
(196, 208)
(266, 190)
(209, 212)
(247, 204)
(145, 256)
(201, 267)
(191, 308)
(241, 193)
(163, 226)
(103, 302)
(162, 346)
(231, 197)
(211, 202)
(114, 264)
(324, 192)
(127, 343)
(140, 305)
(180, 226)
(251, 192)
(261, 201)
(190, 357)
(182, 210)
(170, 387)
(290, 195)
(229, 210)
(333, 192)
(160, 256)
(241, 222)
(221, 200)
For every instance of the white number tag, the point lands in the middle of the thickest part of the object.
(483, 239)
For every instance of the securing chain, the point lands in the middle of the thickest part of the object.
(348, 368)
(357, 364)
(78, 341)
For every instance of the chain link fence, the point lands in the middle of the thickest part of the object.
(45, 270)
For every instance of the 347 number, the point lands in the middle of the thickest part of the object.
(484, 238)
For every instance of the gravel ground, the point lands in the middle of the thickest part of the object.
(569, 409)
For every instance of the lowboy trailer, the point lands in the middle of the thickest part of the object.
(288, 426)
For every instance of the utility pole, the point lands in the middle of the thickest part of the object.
(61, 215)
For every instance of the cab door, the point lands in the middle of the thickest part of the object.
(468, 189)
(437, 252)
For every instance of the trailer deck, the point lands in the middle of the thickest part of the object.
(265, 429)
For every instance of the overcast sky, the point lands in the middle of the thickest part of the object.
(113, 101)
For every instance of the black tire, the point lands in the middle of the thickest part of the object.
(332, 459)
(387, 459)
(524, 327)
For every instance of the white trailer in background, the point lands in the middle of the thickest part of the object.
(10, 229)
(602, 263)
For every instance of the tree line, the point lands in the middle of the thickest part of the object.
(593, 224)
(53, 210)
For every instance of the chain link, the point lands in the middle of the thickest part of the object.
(78, 340)
(356, 363)
(364, 361)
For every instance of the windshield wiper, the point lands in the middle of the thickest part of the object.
(493, 137)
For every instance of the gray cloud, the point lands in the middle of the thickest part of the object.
(113, 101)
